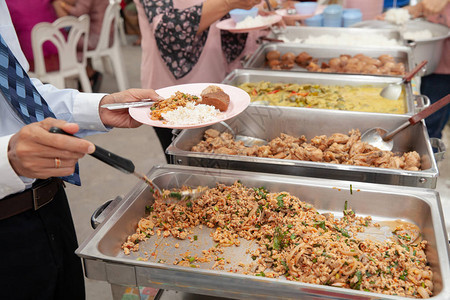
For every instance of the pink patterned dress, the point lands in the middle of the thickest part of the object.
(172, 53)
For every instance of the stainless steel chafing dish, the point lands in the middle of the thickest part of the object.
(104, 260)
(292, 33)
(324, 53)
(267, 122)
(413, 103)
(429, 49)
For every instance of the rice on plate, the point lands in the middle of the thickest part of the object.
(257, 21)
(192, 114)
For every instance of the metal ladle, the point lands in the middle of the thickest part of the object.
(248, 141)
(394, 90)
(380, 138)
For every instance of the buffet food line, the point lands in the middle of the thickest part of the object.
(313, 212)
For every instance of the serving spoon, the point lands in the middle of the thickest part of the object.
(393, 90)
(248, 141)
(380, 138)
(127, 166)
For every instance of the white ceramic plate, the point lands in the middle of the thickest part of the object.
(239, 100)
(230, 25)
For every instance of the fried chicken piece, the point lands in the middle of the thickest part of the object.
(320, 141)
(412, 161)
(365, 159)
(383, 161)
(339, 138)
(303, 59)
(264, 151)
(313, 67)
(300, 153)
(250, 151)
(225, 150)
(314, 154)
(338, 148)
(211, 133)
(289, 139)
(396, 162)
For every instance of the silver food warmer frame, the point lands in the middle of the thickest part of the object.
(104, 260)
(413, 103)
(268, 122)
(324, 53)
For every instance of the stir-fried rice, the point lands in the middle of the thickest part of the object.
(295, 241)
(178, 100)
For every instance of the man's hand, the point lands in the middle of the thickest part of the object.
(33, 151)
(120, 117)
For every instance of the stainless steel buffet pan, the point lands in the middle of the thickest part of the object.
(268, 122)
(237, 77)
(294, 33)
(324, 53)
(429, 49)
(104, 259)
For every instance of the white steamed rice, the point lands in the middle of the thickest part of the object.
(346, 39)
(418, 35)
(192, 114)
(397, 16)
(257, 21)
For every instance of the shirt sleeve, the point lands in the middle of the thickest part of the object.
(10, 183)
(176, 35)
(72, 106)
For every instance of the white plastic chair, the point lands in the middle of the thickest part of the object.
(71, 65)
(108, 48)
(121, 26)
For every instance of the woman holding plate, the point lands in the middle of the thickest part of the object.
(181, 44)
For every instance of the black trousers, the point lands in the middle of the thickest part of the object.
(436, 86)
(165, 138)
(37, 259)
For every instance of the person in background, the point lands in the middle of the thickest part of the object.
(25, 15)
(436, 85)
(181, 44)
(37, 258)
(96, 11)
(129, 13)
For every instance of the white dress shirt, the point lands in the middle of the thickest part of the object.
(67, 104)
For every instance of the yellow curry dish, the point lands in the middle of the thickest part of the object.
(355, 98)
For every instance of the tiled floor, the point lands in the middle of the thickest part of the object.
(101, 182)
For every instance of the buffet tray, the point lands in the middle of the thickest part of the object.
(325, 52)
(291, 33)
(429, 49)
(240, 76)
(268, 122)
(104, 260)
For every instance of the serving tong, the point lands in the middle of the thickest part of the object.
(127, 166)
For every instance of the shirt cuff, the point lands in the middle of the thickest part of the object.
(10, 182)
(86, 111)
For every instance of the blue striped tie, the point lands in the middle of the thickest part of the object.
(23, 96)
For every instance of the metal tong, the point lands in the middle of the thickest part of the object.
(127, 166)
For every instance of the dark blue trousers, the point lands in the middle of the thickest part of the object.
(436, 86)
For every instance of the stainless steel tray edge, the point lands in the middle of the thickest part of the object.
(258, 57)
(257, 116)
(235, 76)
(119, 271)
